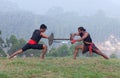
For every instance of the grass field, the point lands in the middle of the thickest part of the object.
(59, 68)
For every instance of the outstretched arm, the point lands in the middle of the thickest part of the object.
(73, 35)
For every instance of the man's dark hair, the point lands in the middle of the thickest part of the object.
(82, 28)
(43, 26)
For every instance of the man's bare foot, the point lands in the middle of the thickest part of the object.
(41, 59)
(74, 58)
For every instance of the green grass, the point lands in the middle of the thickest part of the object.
(59, 68)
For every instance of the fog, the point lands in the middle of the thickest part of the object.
(83, 7)
(110, 46)
(107, 19)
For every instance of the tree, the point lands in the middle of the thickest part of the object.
(13, 40)
(2, 46)
(61, 51)
(52, 52)
(1, 40)
(113, 56)
(16, 44)
(0, 32)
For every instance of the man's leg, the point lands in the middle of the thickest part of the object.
(76, 50)
(97, 51)
(43, 51)
(20, 51)
(16, 53)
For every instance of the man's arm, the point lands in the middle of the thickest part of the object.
(84, 36)
(73, 35)
(43, 35)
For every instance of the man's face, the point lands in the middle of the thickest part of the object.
(43, 30)
(79, 31)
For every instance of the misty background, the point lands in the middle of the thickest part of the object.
(100, 18)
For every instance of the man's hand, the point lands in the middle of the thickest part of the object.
(73, 41)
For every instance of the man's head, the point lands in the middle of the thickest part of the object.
(81, 29)
(43, 28)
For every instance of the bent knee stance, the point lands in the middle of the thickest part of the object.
(78, 47)
(44, 46)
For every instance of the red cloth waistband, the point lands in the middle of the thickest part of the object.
(90, 48)
(32, 41)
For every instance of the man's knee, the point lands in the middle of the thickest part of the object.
(77, 47)
(99, 52)
(21, 51)
(44, 46)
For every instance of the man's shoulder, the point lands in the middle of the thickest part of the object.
(87, 32)
(36, 30)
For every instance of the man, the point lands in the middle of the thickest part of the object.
(88, 44)
(33, 42)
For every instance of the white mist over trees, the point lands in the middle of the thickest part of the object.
(14, 21)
